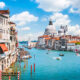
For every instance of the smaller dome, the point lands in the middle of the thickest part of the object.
(61, 31)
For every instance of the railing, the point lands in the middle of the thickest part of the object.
(2, 56)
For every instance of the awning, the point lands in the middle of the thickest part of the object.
(3, 47)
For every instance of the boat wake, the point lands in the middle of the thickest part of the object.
(77, 54)
(57, 58)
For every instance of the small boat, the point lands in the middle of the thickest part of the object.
(48, 51)
(61, 54)
(26, 57)
(58, 58)
(29, 48)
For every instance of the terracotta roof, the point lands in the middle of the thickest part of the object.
(56, 38)
(44, 36)
(4, 11)
(48, 38)
(11, 23)
(73, 41)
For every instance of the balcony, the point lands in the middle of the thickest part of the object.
(2, 56)
(12, 31)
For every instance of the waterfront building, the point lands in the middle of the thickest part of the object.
(32, 44)
(71, 46)
(7, 41)
(58, 42)
(45, 41)
(63, 43)
(52, 42)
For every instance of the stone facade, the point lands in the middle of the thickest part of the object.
(8, 41)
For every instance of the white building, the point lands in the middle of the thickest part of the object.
(71, 46)
(44, 40)
(6, 51)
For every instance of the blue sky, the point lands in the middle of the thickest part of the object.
(32, 16)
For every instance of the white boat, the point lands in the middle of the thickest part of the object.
(26, 57)
(57, 58)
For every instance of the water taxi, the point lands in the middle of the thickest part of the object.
(26, 57)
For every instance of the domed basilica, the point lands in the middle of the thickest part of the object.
(50, 30)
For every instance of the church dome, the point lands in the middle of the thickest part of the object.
(50, 30)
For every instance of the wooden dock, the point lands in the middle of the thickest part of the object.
(9, 74)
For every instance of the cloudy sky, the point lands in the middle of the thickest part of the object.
(32, 16)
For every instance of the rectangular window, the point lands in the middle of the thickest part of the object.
(1, 20)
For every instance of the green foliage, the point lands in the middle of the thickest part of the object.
(78, 43)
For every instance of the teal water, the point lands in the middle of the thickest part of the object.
(47, 67)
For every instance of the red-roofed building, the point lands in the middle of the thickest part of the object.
(4, 12)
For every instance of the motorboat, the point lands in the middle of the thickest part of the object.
(61, 54)
(26, 57)
(58, 58)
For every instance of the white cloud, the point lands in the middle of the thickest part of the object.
(23, 18)
(59, 5)
(44, 19)
(2, 4)
(74, 30)
(60, 19)
(75, 6)
(25, 29)
(73, 10)
(31, 36)
(53, 5)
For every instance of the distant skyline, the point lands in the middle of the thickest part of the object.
(32, 16)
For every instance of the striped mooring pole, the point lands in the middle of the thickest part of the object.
(9, 77)
(0, 75)
(18, 75)
(34, 67)
(31, 69)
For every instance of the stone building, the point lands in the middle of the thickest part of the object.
(8, 41)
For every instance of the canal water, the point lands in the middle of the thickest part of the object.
(47, 67)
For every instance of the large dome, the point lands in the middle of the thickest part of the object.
(50, 30)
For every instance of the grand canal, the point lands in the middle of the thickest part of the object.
(47, 67)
